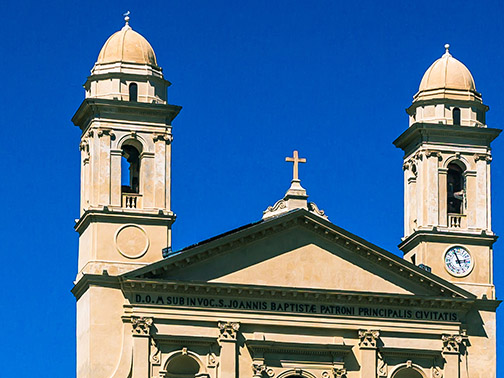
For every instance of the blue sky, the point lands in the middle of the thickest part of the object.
(256, 80)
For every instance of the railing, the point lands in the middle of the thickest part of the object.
(132, 201)
(456, 221)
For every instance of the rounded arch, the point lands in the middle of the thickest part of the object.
(184, 364)
(408, 370)
(458, 160)
(136, 141)
(296, 373)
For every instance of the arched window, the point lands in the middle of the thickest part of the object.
(455, 189)
(133, 92)
(456, 116)
(182, 366)
(130, 169)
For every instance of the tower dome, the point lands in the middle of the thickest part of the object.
(127, 70)
(447, 78)
(127, 45)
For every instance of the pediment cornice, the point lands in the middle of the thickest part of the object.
(324, 229)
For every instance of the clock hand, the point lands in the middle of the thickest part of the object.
(458, 261)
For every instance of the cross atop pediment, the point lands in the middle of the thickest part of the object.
(296, 160)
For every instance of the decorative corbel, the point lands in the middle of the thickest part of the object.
(368, 338)
(155, 357)
(141, 325)
(382, 368)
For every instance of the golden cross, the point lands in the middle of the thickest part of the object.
(296, 159)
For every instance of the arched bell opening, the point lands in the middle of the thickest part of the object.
(130, 169)
(455, 188)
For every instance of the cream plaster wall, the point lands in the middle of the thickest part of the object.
(99, 331)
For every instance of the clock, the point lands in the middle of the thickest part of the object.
(458, 261)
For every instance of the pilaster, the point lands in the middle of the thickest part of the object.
(452, 345)
(368, 346)
(227, 339)
(141, 329)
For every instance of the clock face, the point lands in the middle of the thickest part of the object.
(458, 261)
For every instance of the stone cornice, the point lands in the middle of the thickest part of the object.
(322, 227)
(427, 132)
(262, 346)
(406, 352)
(96, 108)
(295, 294)
(433, 101)
(435, 235)
(113, 215)
(88, 280)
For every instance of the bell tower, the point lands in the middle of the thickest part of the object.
(447, 155)
(125, 212)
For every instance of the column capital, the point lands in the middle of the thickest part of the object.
(434, 153)
(339, 372)
(228, 330)
(452, 343)
(485, 157)
(105, 131)
(368, 338)
(141, 325)
(162, 137)
(258, 367)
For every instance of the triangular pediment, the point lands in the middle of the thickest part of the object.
(298, 250)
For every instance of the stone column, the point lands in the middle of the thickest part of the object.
(451, 353)
(227, 340)
(368, 348)
(141, 345)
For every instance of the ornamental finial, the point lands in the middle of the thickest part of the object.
(447, 48)
(126, 17)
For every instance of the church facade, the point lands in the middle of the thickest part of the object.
(291, 295)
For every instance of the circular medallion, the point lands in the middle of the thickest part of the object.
(131, 241)
(458, 261)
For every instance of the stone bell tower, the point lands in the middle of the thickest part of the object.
(125, 216)
(447, 155)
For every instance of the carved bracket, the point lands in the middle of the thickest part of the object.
(228, 330)
(382, 368)
(155, 357)
(141, 325)
(368, 338)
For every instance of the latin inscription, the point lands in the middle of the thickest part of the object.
(295, 307)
